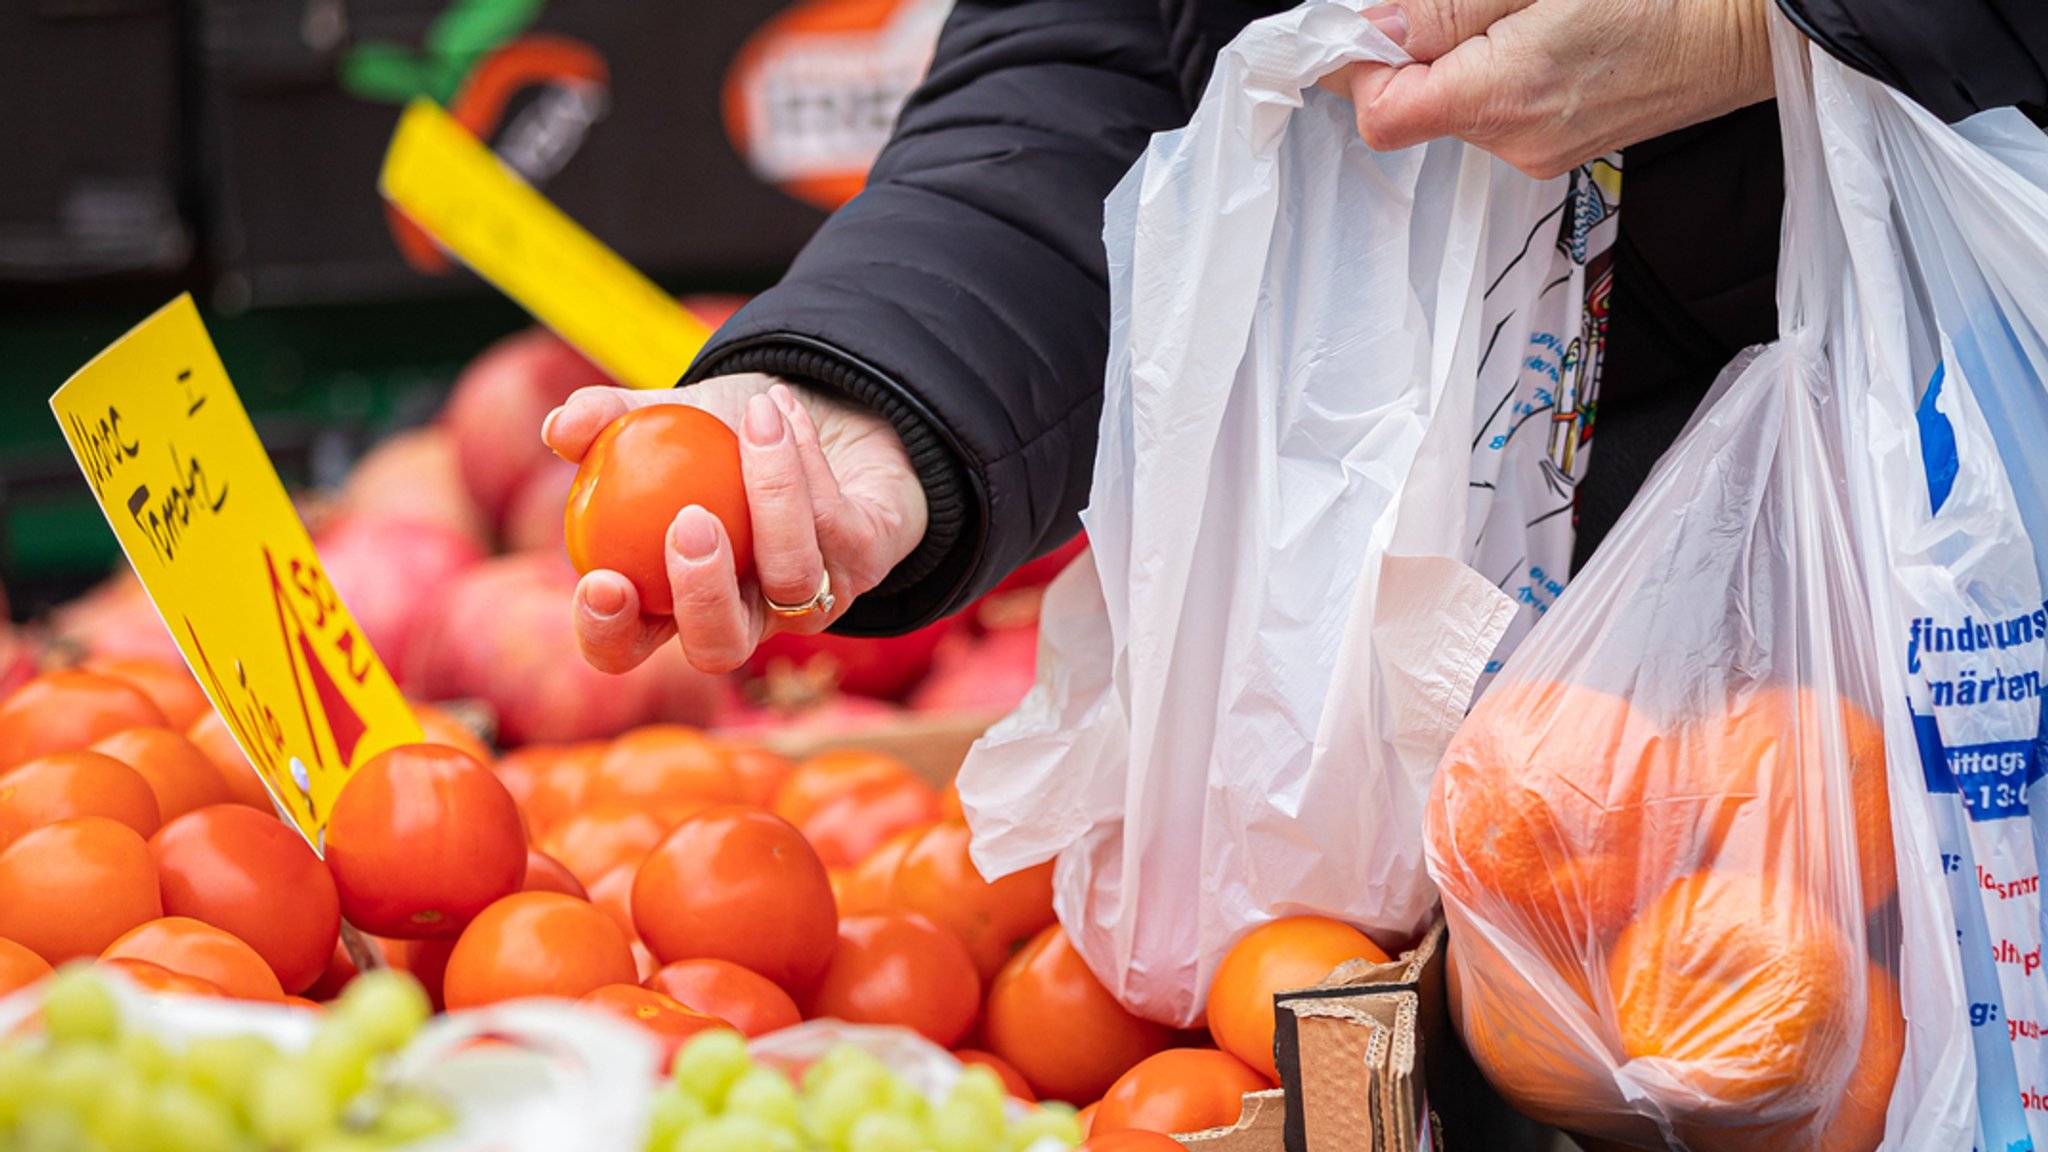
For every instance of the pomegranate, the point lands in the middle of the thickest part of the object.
(884, 667)
(533, 523)
(115, 620)
(495, 412)
(1038, 573)
(414, 475)
(501, 633)
(989, 674)
(713, 309)
(383, 566)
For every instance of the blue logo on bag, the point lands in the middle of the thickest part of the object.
(1937, 442)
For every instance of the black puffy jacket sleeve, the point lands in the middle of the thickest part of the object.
(1956, 57)
(964, 294)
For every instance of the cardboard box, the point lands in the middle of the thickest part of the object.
(1369, 1062)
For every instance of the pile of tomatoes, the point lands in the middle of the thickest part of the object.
(679, 881)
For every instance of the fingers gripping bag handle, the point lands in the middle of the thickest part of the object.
(1947, 231)
(1236, 716)
(1664, 835)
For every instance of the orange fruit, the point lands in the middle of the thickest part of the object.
(595, 840)
(69, 889)
(536, 944)
(211, 736)
(1770, 747)
(1295, 952)
(664, 767)
(153, 977)
(63, 710)
(19, 967)
(1551, 814)
(191, 948)
(1858, 1123)
(182, 777)
(67, 785)
(169, 686)
(1178, 1090)
(1734, 983)
(438, 726)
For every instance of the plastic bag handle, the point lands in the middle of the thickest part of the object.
(1812, 248)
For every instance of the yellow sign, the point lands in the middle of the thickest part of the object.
(462, 195)
(177, 468)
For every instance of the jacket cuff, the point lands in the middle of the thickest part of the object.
(916, 591)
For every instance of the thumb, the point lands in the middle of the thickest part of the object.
(1428, 29)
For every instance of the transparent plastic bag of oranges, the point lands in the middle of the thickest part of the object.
(1663, 836)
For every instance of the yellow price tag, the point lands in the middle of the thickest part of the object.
(462, 195)
(176, 466)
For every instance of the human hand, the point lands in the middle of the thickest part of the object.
(829, 489)
(1547, 85)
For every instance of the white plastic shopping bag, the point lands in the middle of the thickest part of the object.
(1243, 694)
(1945, 231)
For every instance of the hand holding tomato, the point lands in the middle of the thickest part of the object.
(828, 488)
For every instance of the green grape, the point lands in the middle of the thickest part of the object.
(340, 1056)
(227, 1066)
(146, 1055)
(388, 1006)
(185, 1119)
(410, 1117)
(902, 1098)
(120, 1116)
(883, 1132)
(736, 1134)
(1053, 1119)
(841, 1099)
(982, 1086)
(346, 1141)
(21, 1081)
(675, 1112)
(709, 1064)
(73, 1075)
(766, 1095)
(965, 1123)
(289, 1106)
(47, 1127)
(79, 1008)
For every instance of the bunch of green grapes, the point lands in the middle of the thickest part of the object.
(87, 1084)
(720, 1101)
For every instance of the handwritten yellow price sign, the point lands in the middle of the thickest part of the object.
(458, 191)
(176, 466)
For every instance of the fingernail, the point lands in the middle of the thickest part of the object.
(784, 398)
(606, 599)
(1391, 21)
(694, 535)
(548, 425)
(765, 425)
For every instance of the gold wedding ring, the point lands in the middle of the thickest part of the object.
(821, 601)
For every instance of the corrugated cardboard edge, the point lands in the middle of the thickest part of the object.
(1258, 1127)
(1361, 1082)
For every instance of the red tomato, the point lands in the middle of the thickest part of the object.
(757, 773)
(949, 802)
(613, 895)
(308, 1005)
(1131, 1140)
(427, 961)
(19, 967)
(899, 968)
(544, 873)
(181, 776)
(211, 736)
(748, 1001)
(169, 686)
(824, 777)
(58, 711)
(254, 876)
(596, 840)
(866, 886)
(191, 948)
(335, 977)
(934, 875)
(642, 470)
(561, 788)
(1179, 1090)
(522, 769)
(1012, 1079)
(849, 827)
(69, 889)
(664, 768)
(153, 977)
(738, 884)
(1049, 1016)
(67, 785)
(421, 840)
(536, 944)
(670, 1023)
